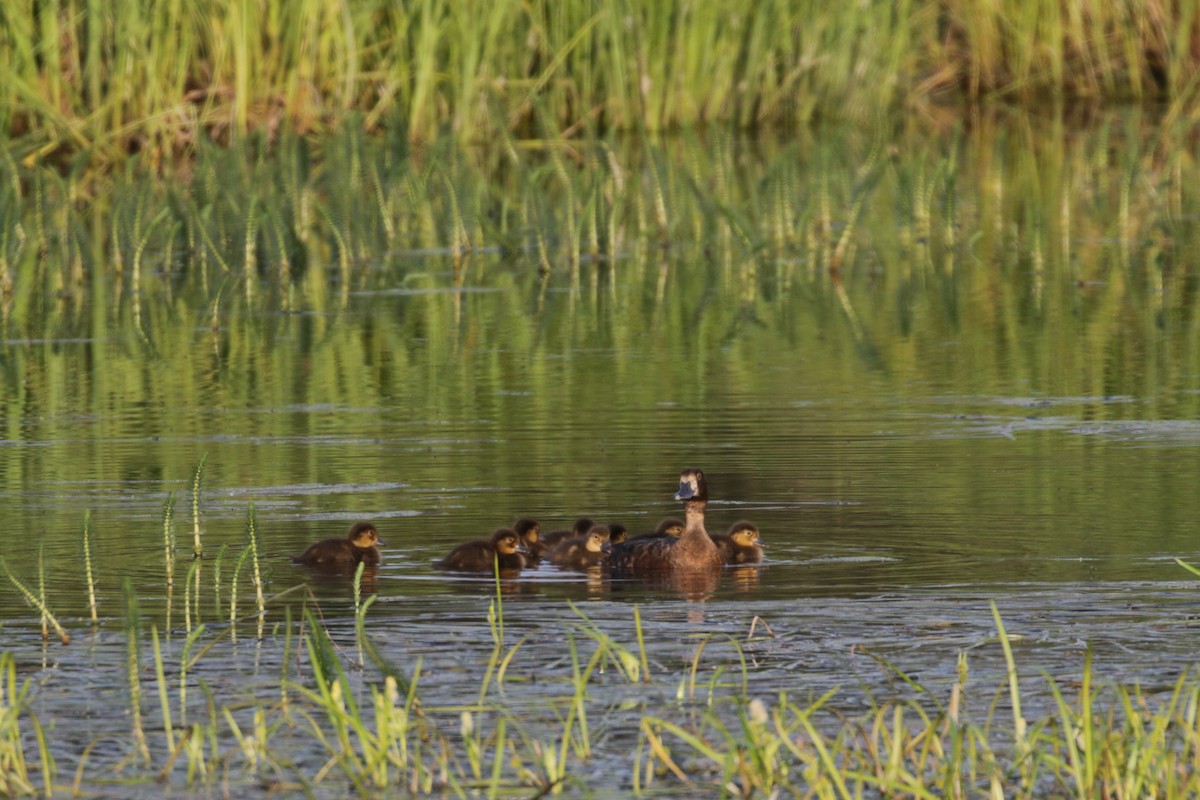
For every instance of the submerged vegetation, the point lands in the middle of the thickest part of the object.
(79, 76)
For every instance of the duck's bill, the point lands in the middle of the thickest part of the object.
(686, 492)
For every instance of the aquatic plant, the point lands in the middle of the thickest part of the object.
(38, 601)
(86, 542)
(197, 483)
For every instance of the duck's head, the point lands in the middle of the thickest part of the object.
(582, 526)
(363, 535)
(528, 529)
(670, 526)
(617, 533)
(506, 542)
(744, 533)
(597, 540)
(692, 486)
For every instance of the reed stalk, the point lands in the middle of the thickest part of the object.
(41, 575)
(164, 694)
(233, 591)
(89, 576)
(197, 483)
(133, 669)
(252, 547)
(37, 601)
(14, 704)
(168, 530)
(217, 563)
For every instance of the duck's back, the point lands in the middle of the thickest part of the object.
(641, 555)
(474, 556)
(331, 552)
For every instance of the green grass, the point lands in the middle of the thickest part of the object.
(380, 736)
(106, 79)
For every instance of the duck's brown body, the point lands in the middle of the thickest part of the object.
(358, 547)
(504, 548)
(692, 551)
(740, 545)
(582, 552)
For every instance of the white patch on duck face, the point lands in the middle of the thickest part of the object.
(689, 484)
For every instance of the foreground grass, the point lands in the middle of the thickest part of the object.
(325, 728)
(105, 79)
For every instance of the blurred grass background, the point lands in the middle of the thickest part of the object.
(111, 77)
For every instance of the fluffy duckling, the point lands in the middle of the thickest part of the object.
(740, 545)
(530, 533)
(617, 533)
(667, 526)
(582, 552)
(580, 528)
(504, 547)
(694, 550)
(359, 546)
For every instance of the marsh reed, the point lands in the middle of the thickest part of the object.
(161, 77)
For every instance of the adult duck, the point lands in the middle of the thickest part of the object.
(359, 546)
(693, 551)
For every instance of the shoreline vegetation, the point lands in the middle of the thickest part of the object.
(107, 79)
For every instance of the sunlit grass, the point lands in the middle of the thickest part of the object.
(720, 737)
(157, 78)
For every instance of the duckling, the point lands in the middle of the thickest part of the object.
(740, 545)
(693, 550)
(529, 531)
(582, 552)
(580, 528)
(480, 556)
(667, 526)
(617, 533)
(359, 545)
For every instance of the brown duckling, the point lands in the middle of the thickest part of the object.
(582, 552)
(617, 533)
(481, 555)
(740, 545)
(530, 533)
(667, 526)
(359, 546)
(692, 551)
(580, 528)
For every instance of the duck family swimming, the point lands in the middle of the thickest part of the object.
(359, 546)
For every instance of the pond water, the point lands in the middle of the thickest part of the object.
(940, 428)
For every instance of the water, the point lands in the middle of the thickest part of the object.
(915, 450)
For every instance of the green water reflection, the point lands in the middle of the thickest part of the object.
(996, 381)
